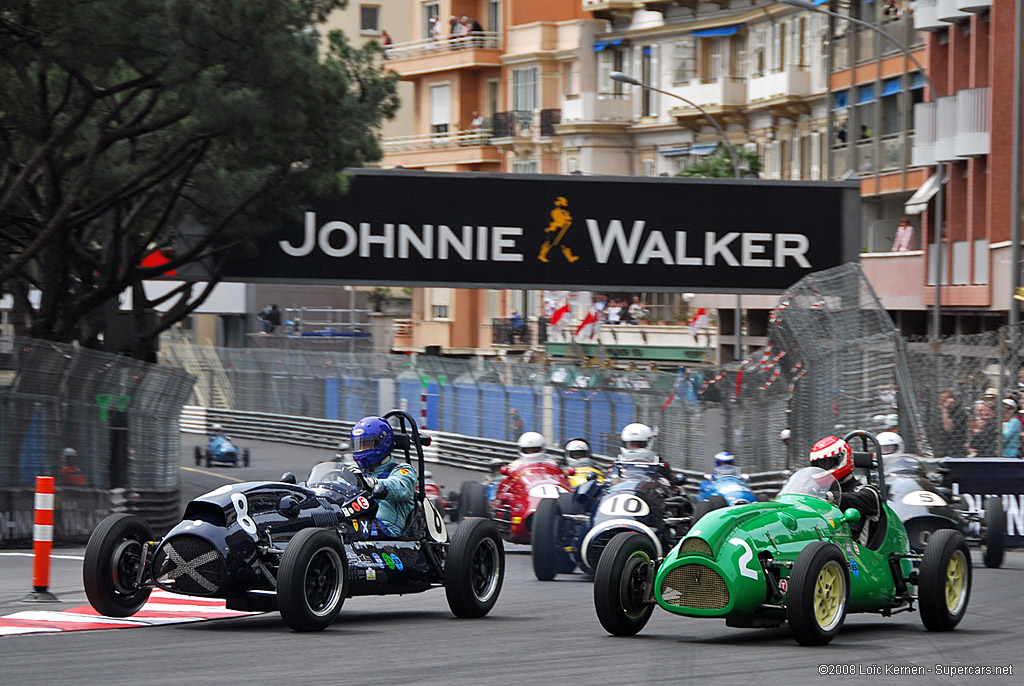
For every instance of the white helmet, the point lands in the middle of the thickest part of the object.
(577, 449)
(785, 434)
(892, 443)
(216, 427)
(530, 444)
(636, 443)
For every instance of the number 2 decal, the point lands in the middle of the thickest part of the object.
(745, 558)
(242, 510)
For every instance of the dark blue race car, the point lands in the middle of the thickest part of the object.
(220, 450)
(573, 530)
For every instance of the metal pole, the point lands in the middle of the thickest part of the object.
(1015, 207)
(939, 200)
(737, 352)
(626, 78)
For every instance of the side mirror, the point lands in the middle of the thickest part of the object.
(851, 516)
(504, 470)
(424, 440)
(288, 478)
(288, 506)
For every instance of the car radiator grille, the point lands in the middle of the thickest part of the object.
(695, 545)
(188, 564)
(695, 586)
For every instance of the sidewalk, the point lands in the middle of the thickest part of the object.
(65, 580)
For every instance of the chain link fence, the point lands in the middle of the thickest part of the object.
(119, 415)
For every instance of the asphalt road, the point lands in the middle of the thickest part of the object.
(538, 633)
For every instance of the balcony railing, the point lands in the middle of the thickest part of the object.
(972, 122)
(956, 126)
(590, 107)
(506, 331)
(926, 17)
(436, 141)
(793, 81)
(525, 123)
(481, 40)
(725, 91)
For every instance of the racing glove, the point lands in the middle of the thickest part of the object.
(377, 487)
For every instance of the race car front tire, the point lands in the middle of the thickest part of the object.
(993, 537)
(245, 457)
(198, 453)
(549, 556)
(944, 580)
(620, 584)
(111, 566)
(313, 580)
(474, 568)
(472, 500)
(818, 595)
(209, 458)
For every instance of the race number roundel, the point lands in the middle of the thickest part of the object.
(624, 505)
(923, 499)
(435, 524)
(546, 491)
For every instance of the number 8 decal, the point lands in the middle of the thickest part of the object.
(242, 510)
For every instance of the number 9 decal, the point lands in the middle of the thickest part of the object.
(242, 510)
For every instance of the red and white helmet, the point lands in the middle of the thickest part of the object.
(833, 455)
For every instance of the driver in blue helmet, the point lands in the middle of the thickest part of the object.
(393, 483)
(725, 465)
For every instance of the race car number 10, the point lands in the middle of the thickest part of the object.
(624, 505)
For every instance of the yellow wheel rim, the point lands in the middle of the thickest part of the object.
(829, 596)
(956, 581)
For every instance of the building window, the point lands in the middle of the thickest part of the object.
(609, 60)
(439, 311)
(683, 62)
(739, 59)
(760, 52)
(779, 56)
(648, 74)
(493, 92)
(524, 166)
(712, 57)
(369, 19)
(494, 16)
(431, 10)
(524, 89)
(571, 76)
(440, 108)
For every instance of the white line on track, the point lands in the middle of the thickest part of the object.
(58, 557)
(222, 476)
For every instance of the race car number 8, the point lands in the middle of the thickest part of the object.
(624, 505)
(242, 510)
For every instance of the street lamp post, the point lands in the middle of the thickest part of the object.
(939, 171)
(626, 78)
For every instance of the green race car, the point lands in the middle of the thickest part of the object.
(790, 560)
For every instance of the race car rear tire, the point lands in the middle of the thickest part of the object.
(474, 568)
(198, 453)
(313, 580)
(944, 580)
(993, 537)
(818, 595)
(472, 500)
(549, 556)
(619, 584)
(209, 458)
(245, 457)
(715, 502)
(112, 559)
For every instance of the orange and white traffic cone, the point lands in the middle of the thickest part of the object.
(42, 542)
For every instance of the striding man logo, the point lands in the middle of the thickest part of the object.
(561, 220)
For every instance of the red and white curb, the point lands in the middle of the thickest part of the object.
(161, 608)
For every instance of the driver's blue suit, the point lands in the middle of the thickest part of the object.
(400, 479)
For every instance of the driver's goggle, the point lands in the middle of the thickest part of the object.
(530, 451)
(888, 449)
(829, 462)
(632, 445)
(578, 454)
(361, 443)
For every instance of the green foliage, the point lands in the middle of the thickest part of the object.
(719, 165)
(122, 121)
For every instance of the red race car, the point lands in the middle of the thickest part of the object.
(523, 484)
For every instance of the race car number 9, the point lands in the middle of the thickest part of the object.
(624, 505)
(546, 491)
(242, 510)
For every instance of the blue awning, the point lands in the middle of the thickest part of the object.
(891, 86)
(842, 100)
(916, 81)
(818, 2)
(699, 149)
(719, 31)
(865, 94)
(602, 44)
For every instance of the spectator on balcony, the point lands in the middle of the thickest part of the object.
(637, 311)
(904, 236)
(842, 131)
(613, 312)
(518, 327)
(475, 32)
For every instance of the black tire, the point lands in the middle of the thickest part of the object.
(209, 458)
(198, 454)
(472, 500)
(313, 580)
(715, 502)
(549, 556)
(819, 584)
(993, 537)
(111, 566)
(619, 584)
(945, 580)
(245, 457)
(475, 568)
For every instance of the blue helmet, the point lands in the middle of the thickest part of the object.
(724, 459)
(372, 441)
